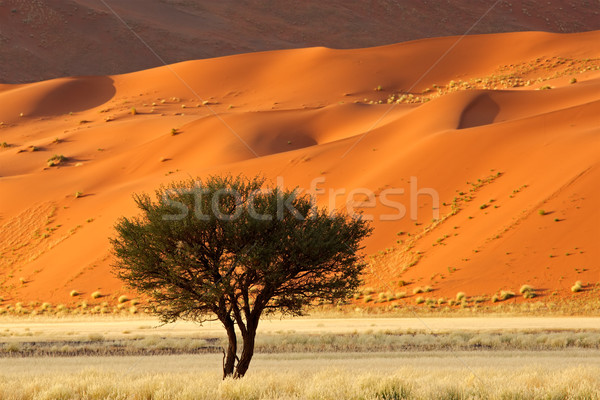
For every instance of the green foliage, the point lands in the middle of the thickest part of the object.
(227, 247)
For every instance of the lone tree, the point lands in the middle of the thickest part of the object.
(230, 249)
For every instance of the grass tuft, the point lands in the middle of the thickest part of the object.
(525, 288)
(56, 160)
(506, 294)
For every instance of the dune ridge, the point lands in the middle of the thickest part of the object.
(46, 39)
(499, 137)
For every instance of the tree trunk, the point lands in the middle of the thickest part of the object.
(247, 352)
(231, 355)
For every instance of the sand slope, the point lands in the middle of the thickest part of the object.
(46, 39)
(473, 126)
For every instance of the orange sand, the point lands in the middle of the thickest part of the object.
(307, 113)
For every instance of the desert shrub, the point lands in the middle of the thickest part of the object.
(506, 294)
(56, 160)
(577, 287)
(529, 295)
(367, 291)
(525, 288)
(460, 296)
(420, 300)
(74, 293)
(96, 295)
(418, 290)
(123, 299)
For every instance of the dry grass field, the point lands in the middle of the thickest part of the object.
(371, 358)
(411, 375)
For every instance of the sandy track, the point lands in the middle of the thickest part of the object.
(313, 326)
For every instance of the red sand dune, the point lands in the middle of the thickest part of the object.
(43, 39)
(475, 128)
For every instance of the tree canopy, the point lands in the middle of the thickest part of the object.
(231, 249)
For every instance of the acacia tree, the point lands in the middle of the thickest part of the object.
(228, 248)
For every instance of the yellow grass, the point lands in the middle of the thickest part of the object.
(497, 375)
(288, 366)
